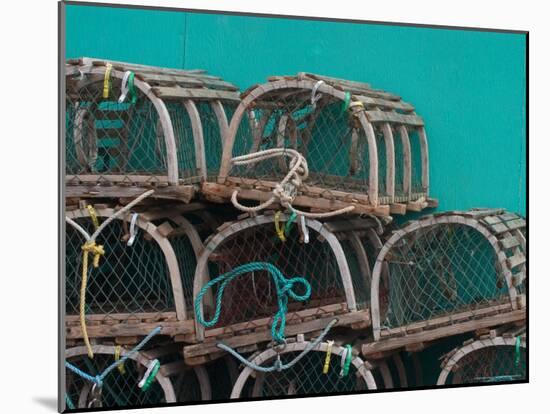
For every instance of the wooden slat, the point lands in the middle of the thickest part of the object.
(186, 81)
(209, 347)
(395, 118)
(509, 242)
(516, 260)
(167, 92)
(431, 335)
(132, 329)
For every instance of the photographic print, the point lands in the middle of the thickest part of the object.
(264, 207)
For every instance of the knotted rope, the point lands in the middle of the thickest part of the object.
(283, 286)
(98, 379)
(91, 247)
(285, 191)
(277, 365)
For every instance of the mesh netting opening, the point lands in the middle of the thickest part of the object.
(304, 378)
(416, 162)
(213, 142)
(119, 390)
(491, 364)
(185, 144)
(331, 139)
(360, 276)
(441, 269)
(253, 295)
(128, 280)
(107, 137)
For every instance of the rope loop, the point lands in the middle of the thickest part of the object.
(277, 365)
(314, 95)
(284, 289)
(286, 190)
(97, 250)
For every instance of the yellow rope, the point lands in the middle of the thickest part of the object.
(117, 357)
(93, 215)
(107, 81)
(97, 250)
(327, 358)
(278, 228)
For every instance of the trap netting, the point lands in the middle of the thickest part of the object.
(138, 124)
(120, 387)
(360, 241)
(442, 268)
(492, 360)
(145, 273)
(253, 294)
(310, 375)
(363, 146)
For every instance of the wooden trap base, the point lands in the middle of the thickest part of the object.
(127, 186)
(128, 325)
(314, 198)
(414, 337)
(245, 337)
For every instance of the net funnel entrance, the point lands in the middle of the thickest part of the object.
(486, 361)
(446, 269)
(156, 136)
(249, 301)
(119, 390)
(358, 143)
(304, 378)
(149, 281)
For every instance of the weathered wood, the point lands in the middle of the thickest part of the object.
(183, 193)
(209, 347)
(427, 336)
(394, 118)
(175, 92)
(139, 329)
(223, 192)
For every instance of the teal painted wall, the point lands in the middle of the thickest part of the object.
(468, 86)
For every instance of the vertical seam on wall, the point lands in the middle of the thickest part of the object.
(184, 39)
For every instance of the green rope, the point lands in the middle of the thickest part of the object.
(132, 89)
(518, 353)
(68, 402)
(345, 104)
(151, 377)
(283, 288)
(289, 222)
(347, 363)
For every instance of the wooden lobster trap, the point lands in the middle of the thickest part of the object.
(447, 274)
(173, 382)
(489, 360)
(143, 279)
(248, 303)
(130, 126)
(309, 375)
(364, 147)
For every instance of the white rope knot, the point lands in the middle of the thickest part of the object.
(285, 191)
(314, 95)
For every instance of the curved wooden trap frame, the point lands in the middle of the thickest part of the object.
(306, 318)
(377, 113)
(203, 101)
(365, 380)
(163, 381)
(457, 360)
(504, 234)
(164, 227)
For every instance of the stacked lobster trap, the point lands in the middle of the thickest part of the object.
(241, 246)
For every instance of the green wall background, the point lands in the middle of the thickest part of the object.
(468, 86)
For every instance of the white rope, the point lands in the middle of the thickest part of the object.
(148, 372)
(124, 87)
(285, 191)
(343, 361)
(133, 231)
(304, 228)
(123, 210)
(314, 95)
